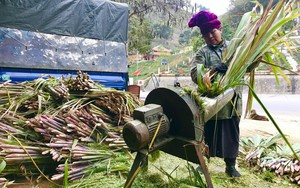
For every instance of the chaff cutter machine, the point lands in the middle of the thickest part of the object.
(173, 123)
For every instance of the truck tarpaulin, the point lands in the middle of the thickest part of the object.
(59, 37)
(95, 19)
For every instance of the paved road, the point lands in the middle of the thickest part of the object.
(284, 108)
(278, 104)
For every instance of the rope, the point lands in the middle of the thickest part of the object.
(156, 132)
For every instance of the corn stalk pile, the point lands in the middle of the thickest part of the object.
(267, 155)
(67, 128)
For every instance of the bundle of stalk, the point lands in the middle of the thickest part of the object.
(31, 97)
(12, 124)
(57, 89)
(114, 166)
(281, 161)
(19, 146)
(117, 104)
(56, 144)
(44, 112)
(19, 158)
(15, 97)
(79, 124)
(267, 154)
(59, 135)
(295, 171)
(81, 83)
(281, 166)
(256, 147)
(9, 90)
(86, 159)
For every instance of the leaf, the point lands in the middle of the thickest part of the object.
(250, 97)
(2, 165)
(66, 173)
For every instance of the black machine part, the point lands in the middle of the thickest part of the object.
(183, 134)
(184, 115)
(148, 120)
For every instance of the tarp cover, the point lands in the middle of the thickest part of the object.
(95, 19)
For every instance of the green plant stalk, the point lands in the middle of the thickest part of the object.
(273, 121)
(250, 97)
(66, 173)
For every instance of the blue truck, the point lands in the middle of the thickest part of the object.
(57, 38)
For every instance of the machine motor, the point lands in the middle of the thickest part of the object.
(148, 119)
(171, 122)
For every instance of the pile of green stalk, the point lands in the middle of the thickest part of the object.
(62, 129)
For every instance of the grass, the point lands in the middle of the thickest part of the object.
(155, 176)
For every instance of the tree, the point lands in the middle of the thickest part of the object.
(161, 31)
(169, 12)
(227, 30)
(185, 37)
(239, 7)
(198, 7)
(140, 36)
(167, 8)
(196, 40)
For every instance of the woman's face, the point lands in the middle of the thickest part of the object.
(214, 37)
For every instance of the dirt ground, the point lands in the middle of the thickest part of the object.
(289, 125)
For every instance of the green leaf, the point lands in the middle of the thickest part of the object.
(2, 165)
(66, 174)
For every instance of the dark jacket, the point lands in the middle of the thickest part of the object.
(211, 56)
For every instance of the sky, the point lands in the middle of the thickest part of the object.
(218, 7)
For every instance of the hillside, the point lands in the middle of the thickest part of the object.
(177, 64)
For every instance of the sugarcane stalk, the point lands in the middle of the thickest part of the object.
(78, 130)
(8, 150)
(47, 124)
(8, 128)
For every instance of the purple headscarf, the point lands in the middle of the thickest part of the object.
(206, 21)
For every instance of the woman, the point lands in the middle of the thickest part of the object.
(221, 133)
